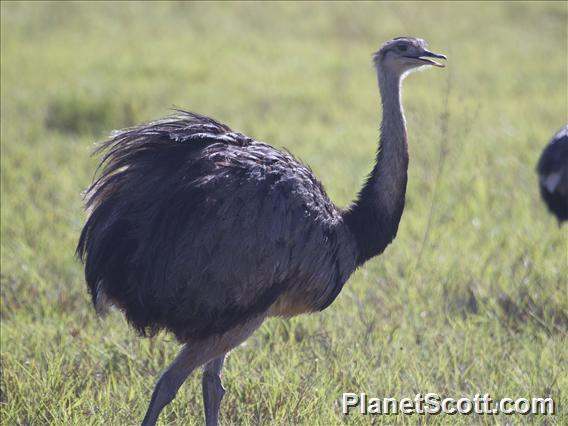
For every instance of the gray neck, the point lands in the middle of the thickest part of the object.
(392, 158)
(374, 216)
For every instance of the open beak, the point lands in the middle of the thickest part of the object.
(426, 54)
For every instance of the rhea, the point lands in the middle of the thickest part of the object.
(552, 170)
(205, 232)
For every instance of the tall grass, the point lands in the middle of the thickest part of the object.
(470, 298)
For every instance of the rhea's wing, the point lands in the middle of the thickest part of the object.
(195, 231)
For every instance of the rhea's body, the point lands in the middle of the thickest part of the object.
(552, 169)
(197, 192)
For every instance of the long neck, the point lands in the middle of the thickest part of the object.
(374, 216)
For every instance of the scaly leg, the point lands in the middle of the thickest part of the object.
(213, 390)
(191, 356)
(169, 383)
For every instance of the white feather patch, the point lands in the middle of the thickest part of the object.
(551, 181)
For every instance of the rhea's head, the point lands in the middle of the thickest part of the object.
(404, 54)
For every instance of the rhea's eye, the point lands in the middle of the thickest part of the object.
(402, 47)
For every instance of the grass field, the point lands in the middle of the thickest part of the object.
(470, 298)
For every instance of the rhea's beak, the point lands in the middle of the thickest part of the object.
(427, 54)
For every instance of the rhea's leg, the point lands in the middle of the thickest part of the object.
(169, 383)
(192, 356)
(213, 390)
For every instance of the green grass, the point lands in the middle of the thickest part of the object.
(470, 298)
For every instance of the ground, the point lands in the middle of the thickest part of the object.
(470, 298)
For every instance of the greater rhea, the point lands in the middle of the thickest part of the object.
(552, 170)
(205, 232)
